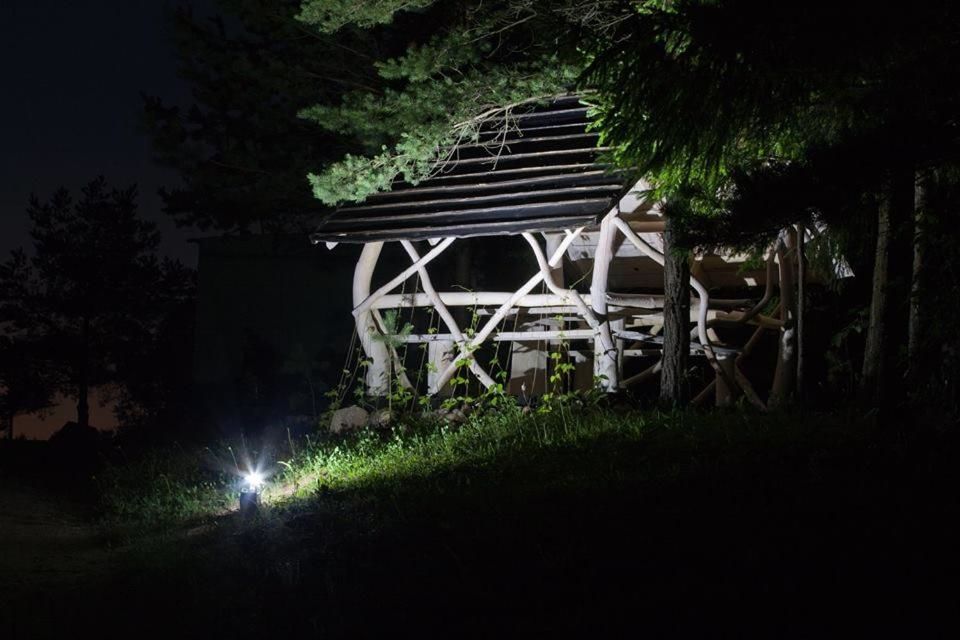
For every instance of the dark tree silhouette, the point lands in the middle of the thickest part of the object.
(698, 93)
(26, 384)
(241, 150)
(92, 294)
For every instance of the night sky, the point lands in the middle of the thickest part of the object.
(70, 108)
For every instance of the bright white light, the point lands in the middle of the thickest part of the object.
(253, 480)
(751, 282)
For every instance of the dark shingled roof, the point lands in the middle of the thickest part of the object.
(545, 176)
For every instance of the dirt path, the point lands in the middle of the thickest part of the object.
(45, 541)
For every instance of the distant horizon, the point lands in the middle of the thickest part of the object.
(38, 426)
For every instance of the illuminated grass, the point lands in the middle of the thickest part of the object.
(371, 459)
(171, 486)
(561, 446)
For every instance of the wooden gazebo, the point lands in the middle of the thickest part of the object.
(535, 172)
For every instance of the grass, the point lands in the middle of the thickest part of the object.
(162, 489)
(424, 449)
(167, 488)
(582, 521)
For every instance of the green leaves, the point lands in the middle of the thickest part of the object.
(422, 121)
(442, 55)
(331, 15)
(392, 333)
(481, 61)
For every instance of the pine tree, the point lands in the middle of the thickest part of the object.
(25, 380)
(240, 150)
(466, 64)
(92, 293)
(713, 99)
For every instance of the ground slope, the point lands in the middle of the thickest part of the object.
(786, 530)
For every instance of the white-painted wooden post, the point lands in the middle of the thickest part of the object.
(376, 351)
(440, 355)
(604, 361)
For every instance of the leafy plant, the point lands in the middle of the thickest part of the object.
(394, 336)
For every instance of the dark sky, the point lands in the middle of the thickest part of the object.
(72, 73)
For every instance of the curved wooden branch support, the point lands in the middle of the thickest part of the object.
(747, 349)
(376, 351)
(702, 293)
(605, 367)
(582, 307)
(494, 321)
(446, 316)
(363, 305)
(743, 318)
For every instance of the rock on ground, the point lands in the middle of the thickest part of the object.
(348, 419)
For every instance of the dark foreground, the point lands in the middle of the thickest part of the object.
(821, 533)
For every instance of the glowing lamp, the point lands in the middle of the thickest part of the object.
(250, 492)
(253, 481)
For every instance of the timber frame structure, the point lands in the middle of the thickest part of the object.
(533, 172)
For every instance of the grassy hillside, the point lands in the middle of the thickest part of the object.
(585, 521)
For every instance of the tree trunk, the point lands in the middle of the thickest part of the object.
(784, 376)
(676, 320)
(83, 383)
(915, 363)
(874, 354)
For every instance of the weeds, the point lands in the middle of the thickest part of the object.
(162, 488)
(169, 487)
